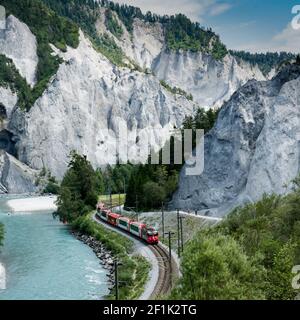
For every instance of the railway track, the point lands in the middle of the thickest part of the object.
(167, 271)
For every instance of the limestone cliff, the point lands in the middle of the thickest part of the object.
(210, 82)
(253, 148)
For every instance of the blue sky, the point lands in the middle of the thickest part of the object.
(253, 25)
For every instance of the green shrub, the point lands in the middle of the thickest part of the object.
(112, 24)
(214, 267)
(262, 242)
(52, 188)
(176, 90)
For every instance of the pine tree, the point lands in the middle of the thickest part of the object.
(78, 193)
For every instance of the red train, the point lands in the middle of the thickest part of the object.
(141, 230)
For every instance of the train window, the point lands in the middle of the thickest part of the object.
(152, 232)
(103, 214)
(134, 228)
(123, 223)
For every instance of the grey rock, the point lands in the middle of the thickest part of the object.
(253, 148)
(85, 101)
(87, 98)
(15, 177)
(210, 82)
(19, 44)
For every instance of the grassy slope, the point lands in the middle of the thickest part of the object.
(115, 199)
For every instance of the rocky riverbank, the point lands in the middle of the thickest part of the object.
(105, 256)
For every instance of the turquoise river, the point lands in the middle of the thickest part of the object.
(40, 259)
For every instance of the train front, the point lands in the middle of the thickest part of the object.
(152, 236)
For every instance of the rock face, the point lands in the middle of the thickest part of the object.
(82, 107)
(16, 178)
(87, 96)
(143, 45)
(8, 101)
(210, 82)
(19, 44)
(253, 148)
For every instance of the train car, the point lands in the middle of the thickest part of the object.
(123, 223)
(103, 214)
(150, 235)
(136, 228)
(112, 218)
(140, 230)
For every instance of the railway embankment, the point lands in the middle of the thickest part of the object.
(108, 245)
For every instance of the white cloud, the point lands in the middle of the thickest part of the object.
(287, 40)
(194, 9)
(219, 9)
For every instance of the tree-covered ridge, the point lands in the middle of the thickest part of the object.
(126, 13)
(85, 14)
(265, 61)
(182, 34)
(48, 27)
(180, 31)
(250, 255)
